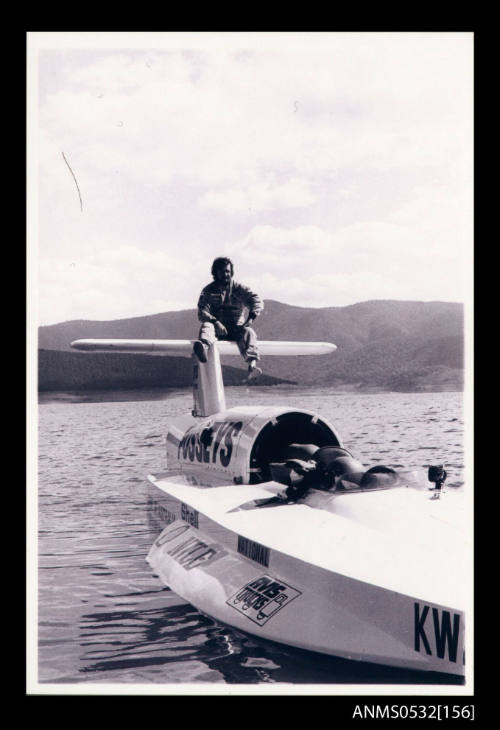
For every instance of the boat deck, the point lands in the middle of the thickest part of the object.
(350, 533)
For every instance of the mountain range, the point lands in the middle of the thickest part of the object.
(382, 345)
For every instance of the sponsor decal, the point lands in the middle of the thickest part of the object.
(436, 631)
(213, 444)
(254, 551)
(190, 515)
(262, 598)
(191, 552)
(194, 552)
(161, 512)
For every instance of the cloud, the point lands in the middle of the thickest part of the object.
(215, 118)
(111, 284)
(345, 156)
(372, 260)
(273, 243)
(295, 193)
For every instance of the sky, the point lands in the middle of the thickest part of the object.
(332, 168)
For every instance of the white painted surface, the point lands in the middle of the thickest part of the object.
(184, 347)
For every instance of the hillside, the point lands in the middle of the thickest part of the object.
(381, 344)
(96, 370)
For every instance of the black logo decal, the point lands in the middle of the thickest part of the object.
(254, 551)
(188, 514)
(261, 599)
(210, 443)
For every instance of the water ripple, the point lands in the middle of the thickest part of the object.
(104, 617)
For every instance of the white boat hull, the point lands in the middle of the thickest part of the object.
(290, 573)
(378, 575)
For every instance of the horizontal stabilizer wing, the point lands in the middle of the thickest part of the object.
(184, 347)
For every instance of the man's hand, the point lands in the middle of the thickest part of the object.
(220, 330)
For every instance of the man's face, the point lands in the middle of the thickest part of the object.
(223, 274)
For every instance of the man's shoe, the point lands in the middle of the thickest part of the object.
(253, 370)
(199, 351)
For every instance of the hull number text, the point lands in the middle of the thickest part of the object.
(437, 632)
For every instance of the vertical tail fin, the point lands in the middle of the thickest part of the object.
(208, 386)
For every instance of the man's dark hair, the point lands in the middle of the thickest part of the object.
(221, 263)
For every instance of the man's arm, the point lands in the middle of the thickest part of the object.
(252, 301)
(205, 313)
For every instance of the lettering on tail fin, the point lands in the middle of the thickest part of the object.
(442, 631)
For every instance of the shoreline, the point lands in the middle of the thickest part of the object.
(46, 397)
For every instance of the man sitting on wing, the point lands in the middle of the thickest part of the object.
(221, 310)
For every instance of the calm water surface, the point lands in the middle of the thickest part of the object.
(103, 616)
